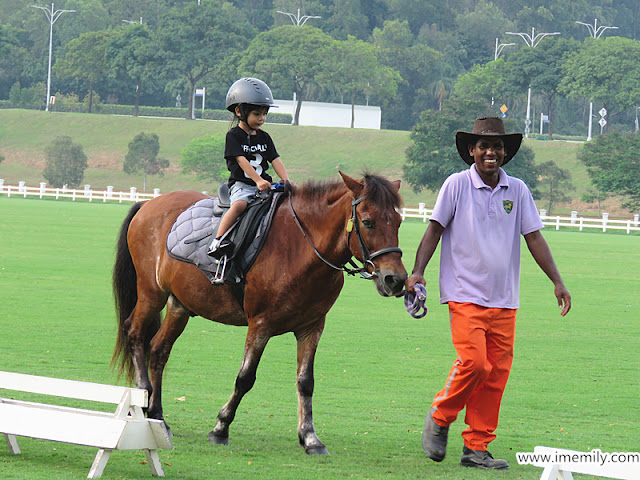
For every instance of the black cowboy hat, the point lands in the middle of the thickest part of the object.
(488, 127)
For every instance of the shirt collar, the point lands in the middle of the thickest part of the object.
(503, 179)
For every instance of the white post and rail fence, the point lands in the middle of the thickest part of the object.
(86, 193)
(603, 223)
(581, 223)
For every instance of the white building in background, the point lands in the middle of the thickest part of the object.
(319, 114)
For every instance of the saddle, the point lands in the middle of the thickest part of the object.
(195, 228)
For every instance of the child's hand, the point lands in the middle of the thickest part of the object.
(263, 185)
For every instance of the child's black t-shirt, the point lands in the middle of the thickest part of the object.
(259, 149)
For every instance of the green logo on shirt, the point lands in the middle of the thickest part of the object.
(508, 205)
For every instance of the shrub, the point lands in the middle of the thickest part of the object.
(66, 163)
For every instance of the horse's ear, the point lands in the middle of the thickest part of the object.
(396, 185)
(352, 184)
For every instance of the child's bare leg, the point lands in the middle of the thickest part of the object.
(227, 221)
(231, 216)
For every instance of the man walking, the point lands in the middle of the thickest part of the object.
(480, 214)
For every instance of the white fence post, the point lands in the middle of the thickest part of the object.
(574, 216)
(156, 192)
(543, 212)
(605, 219)
(1, 184)
(43, 186)
(636, 217)
(132, 193)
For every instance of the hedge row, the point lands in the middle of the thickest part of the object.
(145, 111)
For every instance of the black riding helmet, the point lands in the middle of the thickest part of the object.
(248, 93)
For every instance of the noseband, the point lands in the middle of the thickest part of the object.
(367, 256)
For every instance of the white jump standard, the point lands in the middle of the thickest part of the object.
(124, 429)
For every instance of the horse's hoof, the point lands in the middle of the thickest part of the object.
(317, 450)
(217, 439)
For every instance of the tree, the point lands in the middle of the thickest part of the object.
(486, 82)
(541, 68)
(198, 41)
(133, 56)
(612, 164)
(524, 167)
(288, 58)
(419, 66)
(143, 156)
(86, 59)
(352, 66)
(65, 163)
(606, 71)
(204, 156)
(432, 155)
(478, 30)
(554, 184)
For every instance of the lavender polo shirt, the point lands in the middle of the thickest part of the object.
(480, 249)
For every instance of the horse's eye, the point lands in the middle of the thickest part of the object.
(367, 223)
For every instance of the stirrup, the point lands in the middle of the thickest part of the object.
(221, 269)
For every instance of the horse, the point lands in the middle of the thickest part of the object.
(290, 287)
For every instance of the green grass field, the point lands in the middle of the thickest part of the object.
(308, 152)
(574, 384)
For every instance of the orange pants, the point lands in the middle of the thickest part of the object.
(483, 338)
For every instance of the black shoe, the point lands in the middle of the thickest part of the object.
(220, 248)
(434, 438)
(481, 459)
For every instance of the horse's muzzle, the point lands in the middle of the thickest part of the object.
(390, 283)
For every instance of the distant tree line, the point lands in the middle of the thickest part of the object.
(408, 56)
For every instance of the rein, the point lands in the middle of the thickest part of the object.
(367, 256)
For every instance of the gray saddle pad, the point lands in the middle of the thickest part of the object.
(193, 230)
(190, 235)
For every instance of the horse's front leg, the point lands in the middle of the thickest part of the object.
(307, 346)
(257, 338)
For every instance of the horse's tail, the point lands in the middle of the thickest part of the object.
(126, 296)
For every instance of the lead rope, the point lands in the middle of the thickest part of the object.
(414, 302)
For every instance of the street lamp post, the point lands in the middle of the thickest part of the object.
(496, 53)
(532, 41)
(499, 48)
(596, 32)
(297, 20)
(52, 16)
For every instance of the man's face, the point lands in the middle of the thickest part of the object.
(488, 154)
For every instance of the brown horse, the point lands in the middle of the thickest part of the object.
(293, 283)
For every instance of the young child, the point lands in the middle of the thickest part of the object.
(248, 151)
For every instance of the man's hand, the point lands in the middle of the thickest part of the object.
(412, 280)
(564, 299)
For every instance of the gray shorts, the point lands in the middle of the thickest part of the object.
(242, 191)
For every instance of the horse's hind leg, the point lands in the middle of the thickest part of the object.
(255, 344)
(143, 324)
(175, 321)
(307, 346)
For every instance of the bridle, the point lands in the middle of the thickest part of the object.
(367, 257)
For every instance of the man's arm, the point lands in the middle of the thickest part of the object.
(542, 255)
(427, 246)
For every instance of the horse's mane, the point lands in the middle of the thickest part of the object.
(378, 190)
